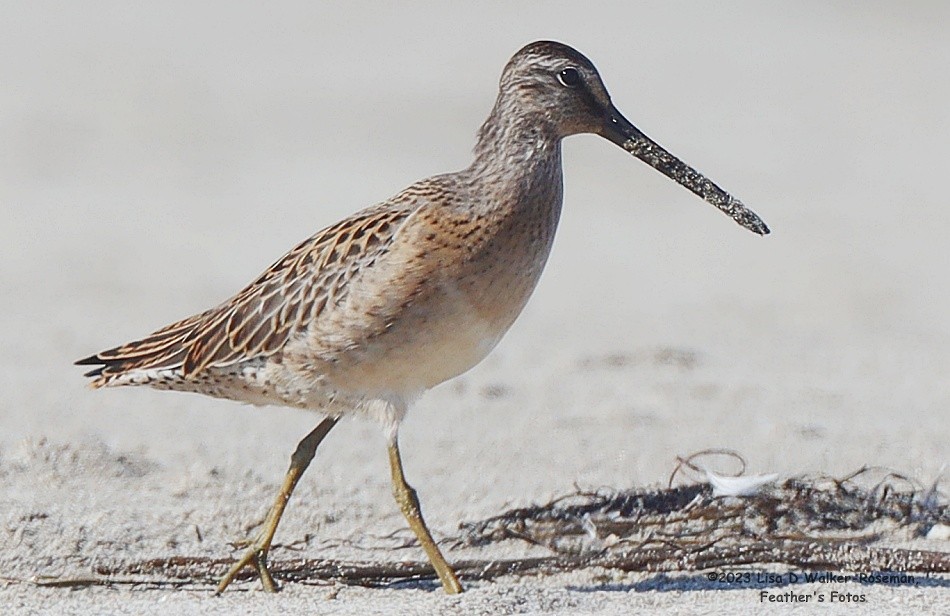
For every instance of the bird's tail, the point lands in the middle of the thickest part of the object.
(164, 349)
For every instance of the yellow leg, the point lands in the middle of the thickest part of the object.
(256, 554)
(409, 503)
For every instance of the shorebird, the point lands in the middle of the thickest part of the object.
(369, 313)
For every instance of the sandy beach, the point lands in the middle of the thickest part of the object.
(153, 160)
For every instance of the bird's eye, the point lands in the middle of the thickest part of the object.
(569, 77)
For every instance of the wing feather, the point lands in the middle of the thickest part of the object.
(262, 317)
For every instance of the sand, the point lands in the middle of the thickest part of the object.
(155, 159)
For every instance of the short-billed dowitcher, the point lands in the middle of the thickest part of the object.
(368, 314)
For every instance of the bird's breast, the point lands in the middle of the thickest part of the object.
(474, 292)
(440, 300)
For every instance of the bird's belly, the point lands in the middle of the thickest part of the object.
(441, 336)
(442, 353)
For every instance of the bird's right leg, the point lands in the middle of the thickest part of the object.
(409, 503)
(256, 554)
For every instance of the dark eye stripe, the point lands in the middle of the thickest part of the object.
(569, 77)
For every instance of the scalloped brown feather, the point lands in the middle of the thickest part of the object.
(260, 319)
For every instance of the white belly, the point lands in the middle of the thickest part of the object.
(437, 343)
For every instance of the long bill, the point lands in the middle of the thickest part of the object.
(620, 131)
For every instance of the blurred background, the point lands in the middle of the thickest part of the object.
(155, 157)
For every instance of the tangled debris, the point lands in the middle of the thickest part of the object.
(800, 510)
(810, 523)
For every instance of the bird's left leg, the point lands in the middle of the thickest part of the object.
(256, 554)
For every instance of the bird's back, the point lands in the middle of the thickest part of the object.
(255, 325)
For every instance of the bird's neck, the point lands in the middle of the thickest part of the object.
(513, 146)
(516, 174)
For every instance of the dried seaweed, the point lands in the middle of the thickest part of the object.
(798, 511)
(204, 573)
(811, 523)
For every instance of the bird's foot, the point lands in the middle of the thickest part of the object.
(256, 554)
